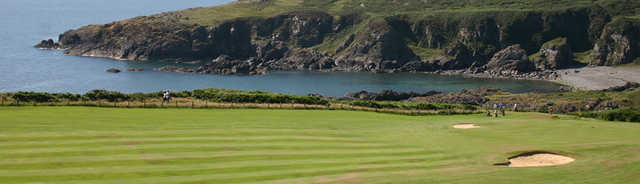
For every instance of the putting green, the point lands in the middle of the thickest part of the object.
(86, 145)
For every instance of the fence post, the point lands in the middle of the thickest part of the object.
(176, 103)
(192, 104)
(144, 103)
(128, 105)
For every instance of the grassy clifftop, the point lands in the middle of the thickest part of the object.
(268, 8)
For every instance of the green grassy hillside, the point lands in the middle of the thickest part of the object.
(101, 145)
(212, 15)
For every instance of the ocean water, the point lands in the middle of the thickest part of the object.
(24, 68)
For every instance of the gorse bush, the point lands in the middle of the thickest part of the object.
(110, 96)
(234, 96)
(213, 95)
(33, 97)
(627, 114)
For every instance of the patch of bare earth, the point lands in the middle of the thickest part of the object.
(538, 160)
(466, 126)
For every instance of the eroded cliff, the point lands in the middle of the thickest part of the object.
(501, 43)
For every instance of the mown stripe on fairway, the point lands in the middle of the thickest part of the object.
(138, 145)
(92, 142)
(233, 175)
(369, 177)
(179, 148)
(198, 157)
(228, 166)
(59, 136)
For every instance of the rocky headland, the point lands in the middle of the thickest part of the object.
(535, 43)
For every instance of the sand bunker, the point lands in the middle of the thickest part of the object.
(538, 159)
(465, 126)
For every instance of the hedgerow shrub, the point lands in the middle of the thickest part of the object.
(33, 97)
(405, 105)
(234, 96)
(627, 114)
(111, 96)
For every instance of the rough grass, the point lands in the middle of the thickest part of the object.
(102, 145)
(555, 42)
(375, 8)
(564, 102)
(582, 57)
(426, 53)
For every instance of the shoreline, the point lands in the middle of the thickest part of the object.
(572, 79)
(586, 78)
(598, 78)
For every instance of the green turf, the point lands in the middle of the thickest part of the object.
(212, 15)
(88, 145)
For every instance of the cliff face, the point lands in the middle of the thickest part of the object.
(497, 43)
(619, 43)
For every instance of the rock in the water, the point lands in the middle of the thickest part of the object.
(512, 60)
(175, 69)
(113, 70)
(48, 44)
(135, 69)
(555, 54)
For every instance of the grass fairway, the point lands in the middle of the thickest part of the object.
(81, 145)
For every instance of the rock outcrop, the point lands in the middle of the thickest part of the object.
(113, 70)
(48, 44)
(468, 97)
(388, 95)
(378, 48)
(135, 69)
(223, 65)
(629, 86)
(619, 43)
(555, 54)
(512, 60)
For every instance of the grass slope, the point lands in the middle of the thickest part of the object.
(101, 145)
(382, 8)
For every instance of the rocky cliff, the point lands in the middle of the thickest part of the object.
(493, 42)
(619, 43)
